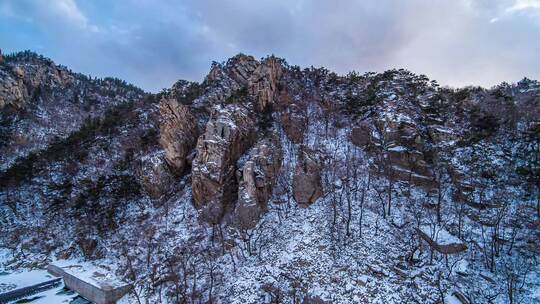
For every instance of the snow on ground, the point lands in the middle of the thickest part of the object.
(15, 279)
(451, 299)
(18, 279)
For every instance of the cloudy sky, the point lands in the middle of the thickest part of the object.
(153, 43)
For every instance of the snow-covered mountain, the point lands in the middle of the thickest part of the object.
(267, 183)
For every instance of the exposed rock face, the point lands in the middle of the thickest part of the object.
(361, 135)
(307, 186)
(218, 87)
(18, 82)
(264, 83)
(229, 133)
(240, 68)
(294, 124)
(178, 133)
(256, 181)
(155, 175)
(399, 150)
(225, 80)
(12, 91)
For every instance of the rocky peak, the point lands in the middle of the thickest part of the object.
(264, 82)
(234, 94)
(230, 131)
(240, 68)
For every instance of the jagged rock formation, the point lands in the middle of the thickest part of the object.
(229, 133)
(19, 82)
(239, 68)
(178, 133)
(225, 80)
(398, 147)
(12, 90)
(264, 82)
(307, 187)
(257, 177)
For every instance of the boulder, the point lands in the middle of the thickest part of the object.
(256, 181)
(307, 186)
(441, 134)
(313, 300)
(155, 175)
(178, 133)
(230, 131)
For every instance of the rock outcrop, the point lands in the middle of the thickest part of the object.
(13, 92)
(224, 80)
(361, 135)
(294, 123)
(178, 133)
(18, 82)
(256, 181)
(240, 68)
(229, 133)
(399, 149)
(307, 187)
(264, 83)
(155, 175)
